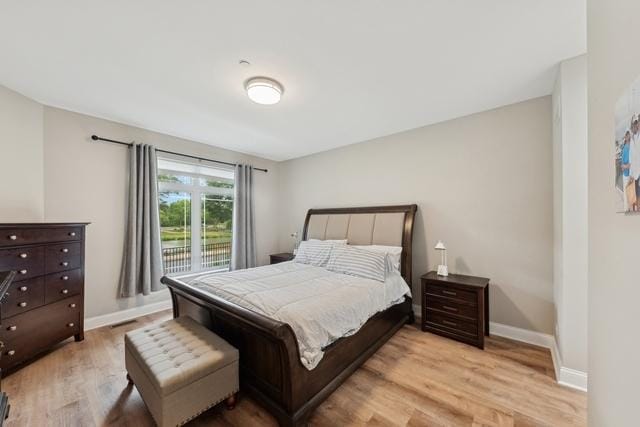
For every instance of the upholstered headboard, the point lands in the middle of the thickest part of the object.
(376, 225)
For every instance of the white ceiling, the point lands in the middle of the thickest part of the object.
(352, 69)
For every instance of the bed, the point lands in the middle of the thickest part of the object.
(271, 370)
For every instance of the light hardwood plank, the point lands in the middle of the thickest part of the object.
(416, 379)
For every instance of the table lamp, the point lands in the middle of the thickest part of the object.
(442, 268)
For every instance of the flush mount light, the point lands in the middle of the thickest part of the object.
(262, 90)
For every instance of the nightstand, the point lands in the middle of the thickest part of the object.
(456, 307)
(277, 258)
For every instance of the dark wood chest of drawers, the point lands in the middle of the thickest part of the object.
(45, 302)
(456, 307)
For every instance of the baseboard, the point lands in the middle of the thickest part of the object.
(524, 335)
(124, 315)
(573, 378)
(564, 376)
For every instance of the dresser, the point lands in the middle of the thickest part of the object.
(456, 306)
(45, 302)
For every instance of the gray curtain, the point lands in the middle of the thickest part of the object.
(243, 245)
(142, 264)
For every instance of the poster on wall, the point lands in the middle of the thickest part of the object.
(627, 150)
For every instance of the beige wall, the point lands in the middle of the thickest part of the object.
(614, 279)
(21, 178)
(483, 186)
(86, 181)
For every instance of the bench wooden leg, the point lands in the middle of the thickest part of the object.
(230, 402)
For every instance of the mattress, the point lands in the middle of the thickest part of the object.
(320, 306)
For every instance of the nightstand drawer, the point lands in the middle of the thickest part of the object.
(452, 293)
(452, 307)
(452, 324)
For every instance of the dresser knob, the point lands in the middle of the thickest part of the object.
(23, 255)
(11, 352)
(64, 250)
(72, 305)
(72, 234)
(65, 291)
(23, 304)
(71, 325)
(23, 288)
(65, 278)
(12, 328)
(13, 237)
(64, 263)
(23, 272)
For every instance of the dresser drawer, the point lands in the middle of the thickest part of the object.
(62, 285)
(30, 236)
(29, 333)
(444, 305)
(452, 324)
(27, 262)
(23, 296)
(452, 293)
(65, 256)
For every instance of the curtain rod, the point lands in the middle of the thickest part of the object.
(129, 144)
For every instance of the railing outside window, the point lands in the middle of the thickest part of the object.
(213, 256)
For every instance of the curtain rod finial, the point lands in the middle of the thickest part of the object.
(94, 137)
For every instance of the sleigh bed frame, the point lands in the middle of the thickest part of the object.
(270, 367)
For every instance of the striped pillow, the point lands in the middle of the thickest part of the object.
(314, 252)
(358, 262)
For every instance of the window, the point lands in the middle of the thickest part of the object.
(202, 196)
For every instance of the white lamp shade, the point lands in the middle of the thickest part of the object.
(264, 91)
(440, 246)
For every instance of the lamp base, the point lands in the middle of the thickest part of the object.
(443, 270)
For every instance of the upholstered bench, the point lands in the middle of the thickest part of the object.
(181, 369)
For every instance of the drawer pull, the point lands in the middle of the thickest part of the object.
(72, 234)
(65, 278)
(71, 325)
(13, 237)
(11, 352)
(64, 263)
(23, 272)
(72, 305)
(446, 322)
(452, 293)
(23, 304)
(446, 307)
(23, 255)
(23, 288)
(12, 328)
(64, 250)
(65, 291)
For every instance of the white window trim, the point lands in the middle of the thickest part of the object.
(196, 191)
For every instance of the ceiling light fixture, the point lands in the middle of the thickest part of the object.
(262, 90)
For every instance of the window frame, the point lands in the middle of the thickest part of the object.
(195, 191)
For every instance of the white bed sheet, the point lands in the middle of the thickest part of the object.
(320, 306)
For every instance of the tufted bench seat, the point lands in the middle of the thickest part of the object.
(181, 369)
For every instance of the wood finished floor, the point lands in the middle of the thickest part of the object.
(416, 379)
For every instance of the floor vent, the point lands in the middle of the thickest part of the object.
(126, 322)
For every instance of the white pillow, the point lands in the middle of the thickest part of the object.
(394, 253)
(358, 262)
(314, 252)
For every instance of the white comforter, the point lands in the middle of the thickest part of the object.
(319, 305)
